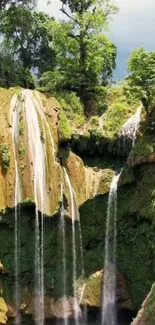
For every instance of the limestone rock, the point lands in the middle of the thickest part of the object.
(87, 182)
(146, 315)
(3, 311)
(63, 307)
(91, 294)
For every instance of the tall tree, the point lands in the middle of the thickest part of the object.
(26, 38)
(140, 81)
(85, 56)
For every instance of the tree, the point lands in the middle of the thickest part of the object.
(85, 56)
(26, 39)
(140, 82)
(28, 3)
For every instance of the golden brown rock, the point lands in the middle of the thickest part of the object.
(3, 311)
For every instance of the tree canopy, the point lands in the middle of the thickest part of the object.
(85, 56)
(74, 54)
(140, 81)
(25, 40)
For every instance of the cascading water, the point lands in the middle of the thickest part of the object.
(40, 110)
(62, 214)
(15, 137)
(130, 127)
(109, 289)
(38, 159)
(73, 216)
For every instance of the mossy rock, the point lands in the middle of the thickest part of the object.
(64, 127)
(146, 315)
(143, 151)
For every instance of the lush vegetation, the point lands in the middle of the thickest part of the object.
(74, 54)
(141, 79)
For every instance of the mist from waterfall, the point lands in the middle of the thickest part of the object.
(14, 107)
(130, 127)
(109, 288)
(38, 159)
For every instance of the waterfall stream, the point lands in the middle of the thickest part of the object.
(62, 224)
(73, 216)
(130, 127)
(38, 159)
(15, 136)
(76, 217)
(109, 289)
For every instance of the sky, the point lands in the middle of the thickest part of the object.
(132, 26)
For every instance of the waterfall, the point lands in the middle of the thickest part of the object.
(62, 214)
(130, 127)
(41, 111)
(38, 159)
(73, 216)
(109, 289)
(14, 108)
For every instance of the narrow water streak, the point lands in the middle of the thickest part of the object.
(15, 105)
(73, 216)
(109, 288)
(62, 224)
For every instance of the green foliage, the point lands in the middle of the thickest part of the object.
(85, 56)
(72, 107)
(65, 130)
(114, 117)
(94, 122)
(21, 151)
(141, 79)
(25, 41)
(5, 156)
(135, 231)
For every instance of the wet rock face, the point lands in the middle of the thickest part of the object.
(92, 291)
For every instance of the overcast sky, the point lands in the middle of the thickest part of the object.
(132, 27)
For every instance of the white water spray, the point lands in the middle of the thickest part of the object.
(130, 127)
(38, 159)
(109, 289)
(15, 135)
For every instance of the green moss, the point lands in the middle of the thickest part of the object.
(144, 147)
(65, 130)
(28, 200)
(5, 156)
(94, 122)
(135, 230)
(115, 117)
(21, 151)
(149, 308)
(72, 107)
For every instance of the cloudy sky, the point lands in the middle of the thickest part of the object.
(132, 27)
